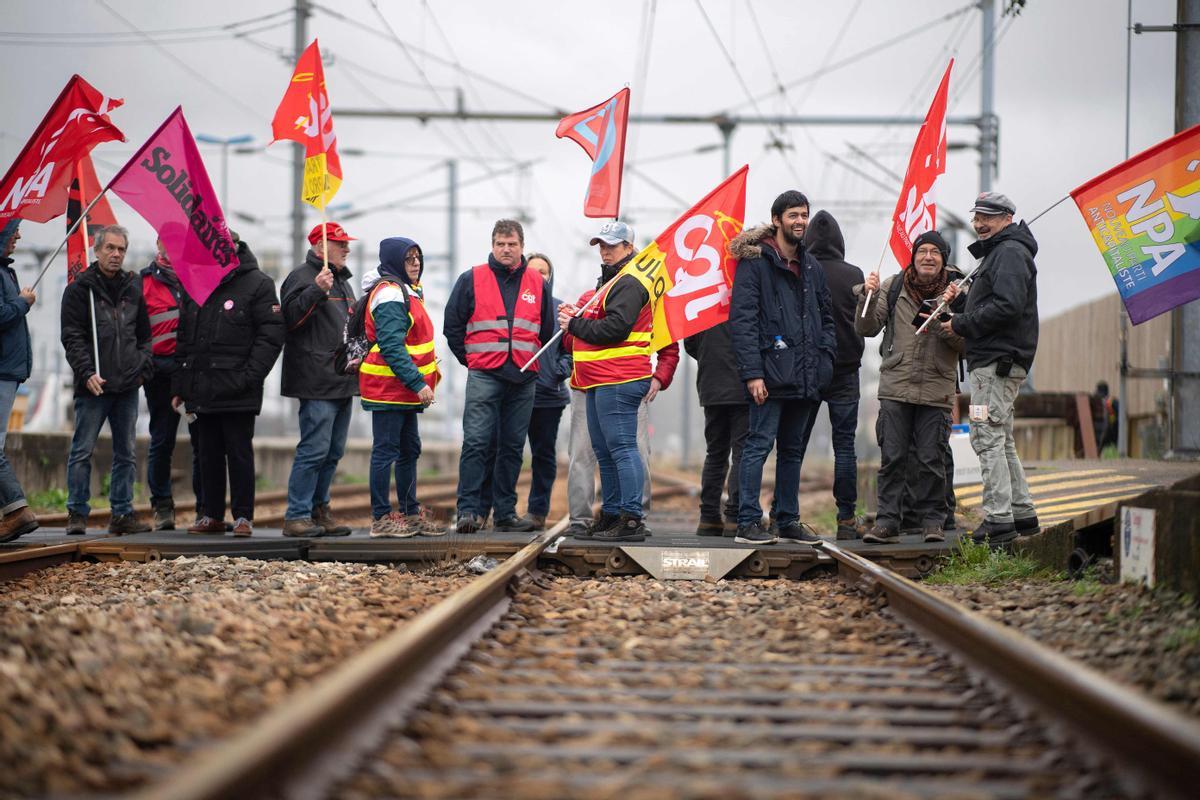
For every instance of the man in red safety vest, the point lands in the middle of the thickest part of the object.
(497, 317)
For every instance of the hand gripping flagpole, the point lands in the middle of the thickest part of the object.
(559, 332)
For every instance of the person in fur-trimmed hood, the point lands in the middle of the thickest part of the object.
(784, 343)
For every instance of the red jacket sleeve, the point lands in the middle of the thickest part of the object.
(668, 360)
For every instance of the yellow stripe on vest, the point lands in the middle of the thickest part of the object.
(610, 353)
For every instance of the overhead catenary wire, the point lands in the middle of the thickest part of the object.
(161, 32)
(8, 39)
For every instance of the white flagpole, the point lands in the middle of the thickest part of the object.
(559, 332)
(95, 332)
(67, 238)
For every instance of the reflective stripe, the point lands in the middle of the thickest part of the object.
(425, 369)
(488, 325)
(164, 316)
(376, 369)
(640, 336)
(611, 352)
(420, 349)
(162, 337)
(527, 325)
(528, 347)
(488, 347)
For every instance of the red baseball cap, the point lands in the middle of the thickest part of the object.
(333, 233)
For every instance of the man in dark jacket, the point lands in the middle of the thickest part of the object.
(825, 243)
(225, 350)
(1000, 326)
(16, 361)
(784, 342)
(112, 299)
(317, 301)
(726, 416)
(497, 317)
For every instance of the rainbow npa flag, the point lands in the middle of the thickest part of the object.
(1144, 216)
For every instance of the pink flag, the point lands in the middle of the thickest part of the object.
(166, 183)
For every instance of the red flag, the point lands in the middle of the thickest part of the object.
(35, 186)
(305, 116)
(600, 131)
(916, 209)
(84, 186)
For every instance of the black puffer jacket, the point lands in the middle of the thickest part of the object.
(122, 326)
(769, 300)
(1001, 317)
(717, 380)
(825, 243)
(226, 347)
(315, 322)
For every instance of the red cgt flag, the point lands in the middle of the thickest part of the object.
(84, 187)
(35, 186)
(916, 209)
(305, 116)
(600, 131)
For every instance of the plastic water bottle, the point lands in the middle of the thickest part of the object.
(780, 344)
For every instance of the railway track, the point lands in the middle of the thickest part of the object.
(524, 685)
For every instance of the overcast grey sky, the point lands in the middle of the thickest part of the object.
(1059, 94)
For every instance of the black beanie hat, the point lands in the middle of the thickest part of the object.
(934, 238)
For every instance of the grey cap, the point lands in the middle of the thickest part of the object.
(993, 204)
(613, 233)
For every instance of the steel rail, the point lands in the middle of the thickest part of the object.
(1148, 743)
(295, 750)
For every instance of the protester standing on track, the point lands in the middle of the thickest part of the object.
(107, 301)
(1000, 326)
(784, 341)
(497, 317)
(397, 380)
(225, 350)
(916, 389)
(16, 363)
(317, 300)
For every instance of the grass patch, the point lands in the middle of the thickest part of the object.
(977, 563)
(1187, 636)
(48, 501)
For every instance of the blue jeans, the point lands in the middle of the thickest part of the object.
(90, 413)
(323, 428)
(841, 397)
(785, 421)
(497, 408)
(396, 441)
(12, 496)
(612, 414)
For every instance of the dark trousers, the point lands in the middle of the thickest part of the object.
(906, 515)
(164, 427)
(395, 445)
(841, 398)
(725, 429)
(911, 442)
(227, 439)
(543, 435)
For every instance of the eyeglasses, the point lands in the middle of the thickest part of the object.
(412, 259)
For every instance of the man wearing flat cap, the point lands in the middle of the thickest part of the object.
(317, 300)
(1000, 327)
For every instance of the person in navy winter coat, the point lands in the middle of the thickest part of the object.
(784, 343)
(16, 360)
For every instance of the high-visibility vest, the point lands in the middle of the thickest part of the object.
(163, 307)
(376, 381)
(607, 364)
(490, 337)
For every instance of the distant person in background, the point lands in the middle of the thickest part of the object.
(225, 349)
(396, 381)
(825, 243)
(1108, 424)
(16, 363)
(162, 291)
(317, 301)
(107, 391)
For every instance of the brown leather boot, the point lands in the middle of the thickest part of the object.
(324, 518)
(301, 527)
(17, 523)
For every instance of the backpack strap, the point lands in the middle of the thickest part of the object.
(893, 297)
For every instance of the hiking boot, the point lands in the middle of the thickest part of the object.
(1027, 526)
(324, 519)
(951, 523)
(731, 527)
(470, 523)
(76, 524)
(753, 534)
(578, 530)
(539, 521)
(881, 534)
(850, 529)
(207, 524)
(424, 524)
(934, 533)
(302, 527)
(17, 523)
(710, 526)
(164, 515)
(627, 529)
(126, 523)
(393, 526)
(797, 532)
(513, 525)
(603, 522)
(994, 532)
(242, 528)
